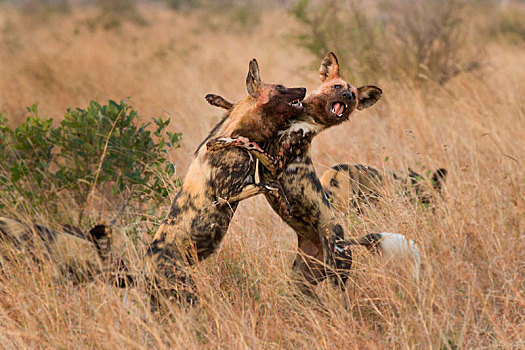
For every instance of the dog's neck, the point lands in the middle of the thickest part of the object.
(306, 123)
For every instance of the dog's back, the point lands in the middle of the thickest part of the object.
(351, 186)
(70, 250)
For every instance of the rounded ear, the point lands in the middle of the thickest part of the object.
(253, 80)
(329, 67)
(367, 96)
(218, 101)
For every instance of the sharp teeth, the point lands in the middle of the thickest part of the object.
(296, 103)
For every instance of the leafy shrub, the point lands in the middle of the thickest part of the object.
(92, 150)
(45, 6)
(342, 27)
(178, 4)
(231, 15)
(428, 39)
(26, 154)
(113, 12)
(418, 39)
(509, 24)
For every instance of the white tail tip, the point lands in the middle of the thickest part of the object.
(397, 246)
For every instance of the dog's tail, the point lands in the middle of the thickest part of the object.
(392, 246)
(438, 178)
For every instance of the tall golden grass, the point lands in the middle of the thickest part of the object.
(471, 292)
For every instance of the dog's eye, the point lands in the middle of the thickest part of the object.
(280, 88)
(337, 87)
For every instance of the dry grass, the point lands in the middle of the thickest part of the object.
(471, 294)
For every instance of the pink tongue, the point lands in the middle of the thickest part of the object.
(338, 108)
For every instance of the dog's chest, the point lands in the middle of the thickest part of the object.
(230, 169)
(301, 186)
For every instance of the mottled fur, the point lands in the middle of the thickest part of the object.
(354, 185)
(78, 255)
(215, 184)
(311, 214)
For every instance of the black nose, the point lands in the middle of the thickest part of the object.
(347, 95)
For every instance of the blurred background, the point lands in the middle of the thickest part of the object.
(166, 55)
(453, 79)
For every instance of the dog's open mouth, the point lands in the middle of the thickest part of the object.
(296, 103)
(338, 108)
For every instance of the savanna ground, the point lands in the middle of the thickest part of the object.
(460, 105)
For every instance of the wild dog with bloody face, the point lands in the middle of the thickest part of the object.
(321, 241)
(215, 184)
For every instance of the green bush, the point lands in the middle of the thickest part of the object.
(415, 39)
(44, 7)
(178, 4)
(509, 24)
(112, 13)
(26, 153)
(344, 28)
(232, 15)
(91, 151)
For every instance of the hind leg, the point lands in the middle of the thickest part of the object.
(308, 267)
(169, 278)
(312, 265)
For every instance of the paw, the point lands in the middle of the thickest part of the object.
(342, 252)
(247, 144)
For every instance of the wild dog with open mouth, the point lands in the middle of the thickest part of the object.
(321, 241)
(354, 185)
(215, 184)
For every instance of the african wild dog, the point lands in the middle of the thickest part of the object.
(215, 184)
(320, 240)
(353, 185)
(78, 255)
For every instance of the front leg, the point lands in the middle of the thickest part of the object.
(271, 188)
(273, 164)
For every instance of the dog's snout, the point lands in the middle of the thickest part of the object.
(348, 95)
